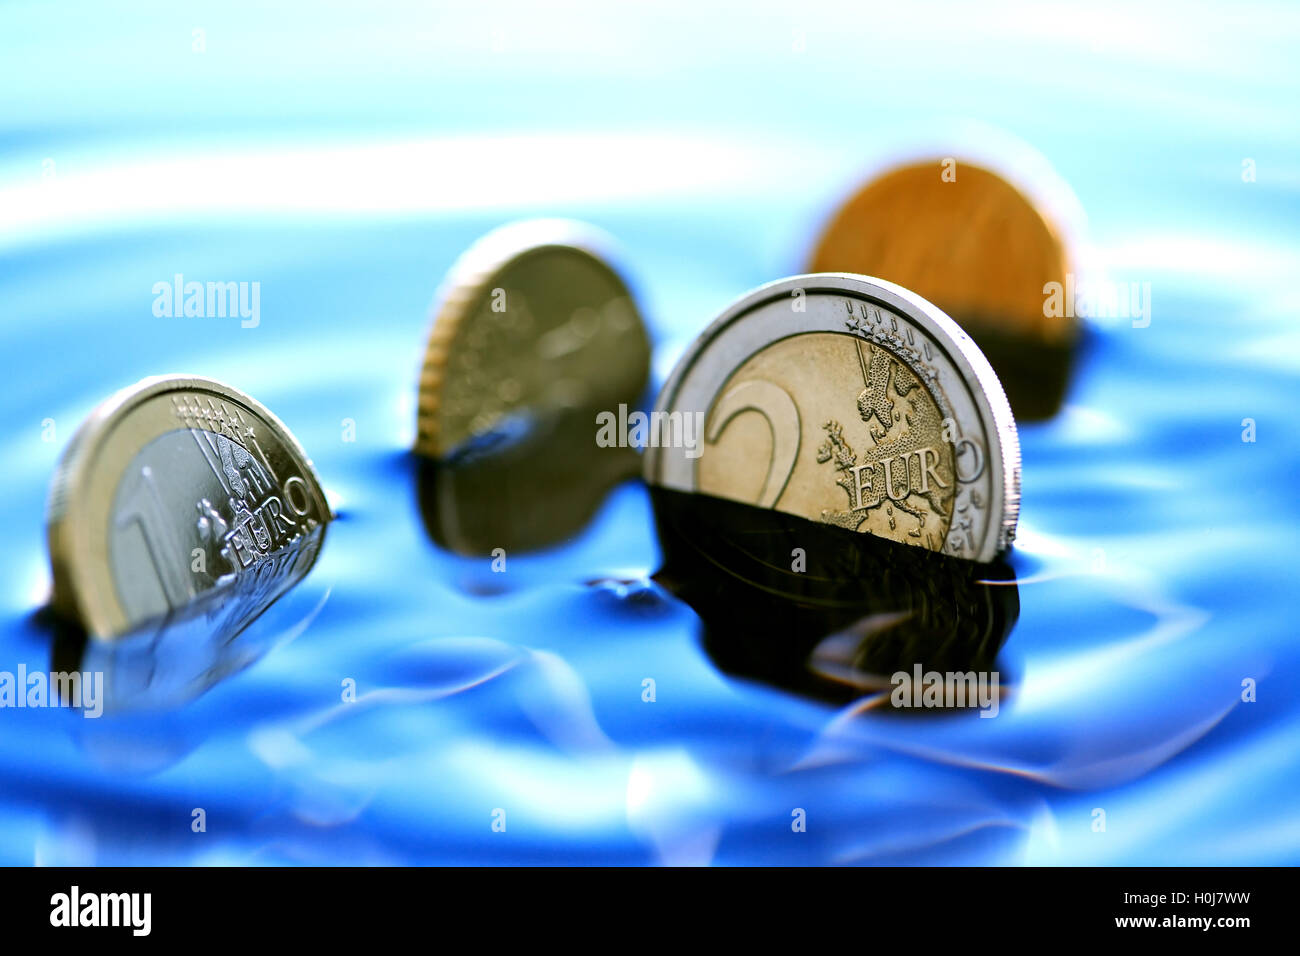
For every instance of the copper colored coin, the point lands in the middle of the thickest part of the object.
(971, 243)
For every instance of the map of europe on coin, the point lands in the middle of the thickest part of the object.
(850, 401)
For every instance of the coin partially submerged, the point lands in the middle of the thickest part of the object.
(177, 497)
(972, 243)
(534, 336)
(532, 319)
(851, 401)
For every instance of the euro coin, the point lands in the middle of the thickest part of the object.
(180, 498)
(532, 321)
(850, 401)
(976, 246)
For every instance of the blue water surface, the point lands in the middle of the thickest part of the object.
(343, 156)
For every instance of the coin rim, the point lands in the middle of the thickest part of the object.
(989, 398)
(74, 591)
(473, 274)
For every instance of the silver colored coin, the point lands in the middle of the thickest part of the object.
(847, 400)
(180, 501)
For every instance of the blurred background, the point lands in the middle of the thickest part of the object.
(343, 155)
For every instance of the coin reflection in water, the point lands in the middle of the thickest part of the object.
(170, 661)
(974, 245)
(862, 610)
(528, 482)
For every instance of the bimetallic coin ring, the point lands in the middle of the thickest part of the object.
(180, 496)
(851, 401)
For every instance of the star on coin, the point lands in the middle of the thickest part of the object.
(180, 497)
(969, 241)
(853, 402)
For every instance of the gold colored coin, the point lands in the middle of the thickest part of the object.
(847, 401)
(890, 416)
(531, 322)
(975, 246)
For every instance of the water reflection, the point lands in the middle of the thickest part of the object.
(171, 660)
(533, 480)
(823, 612)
